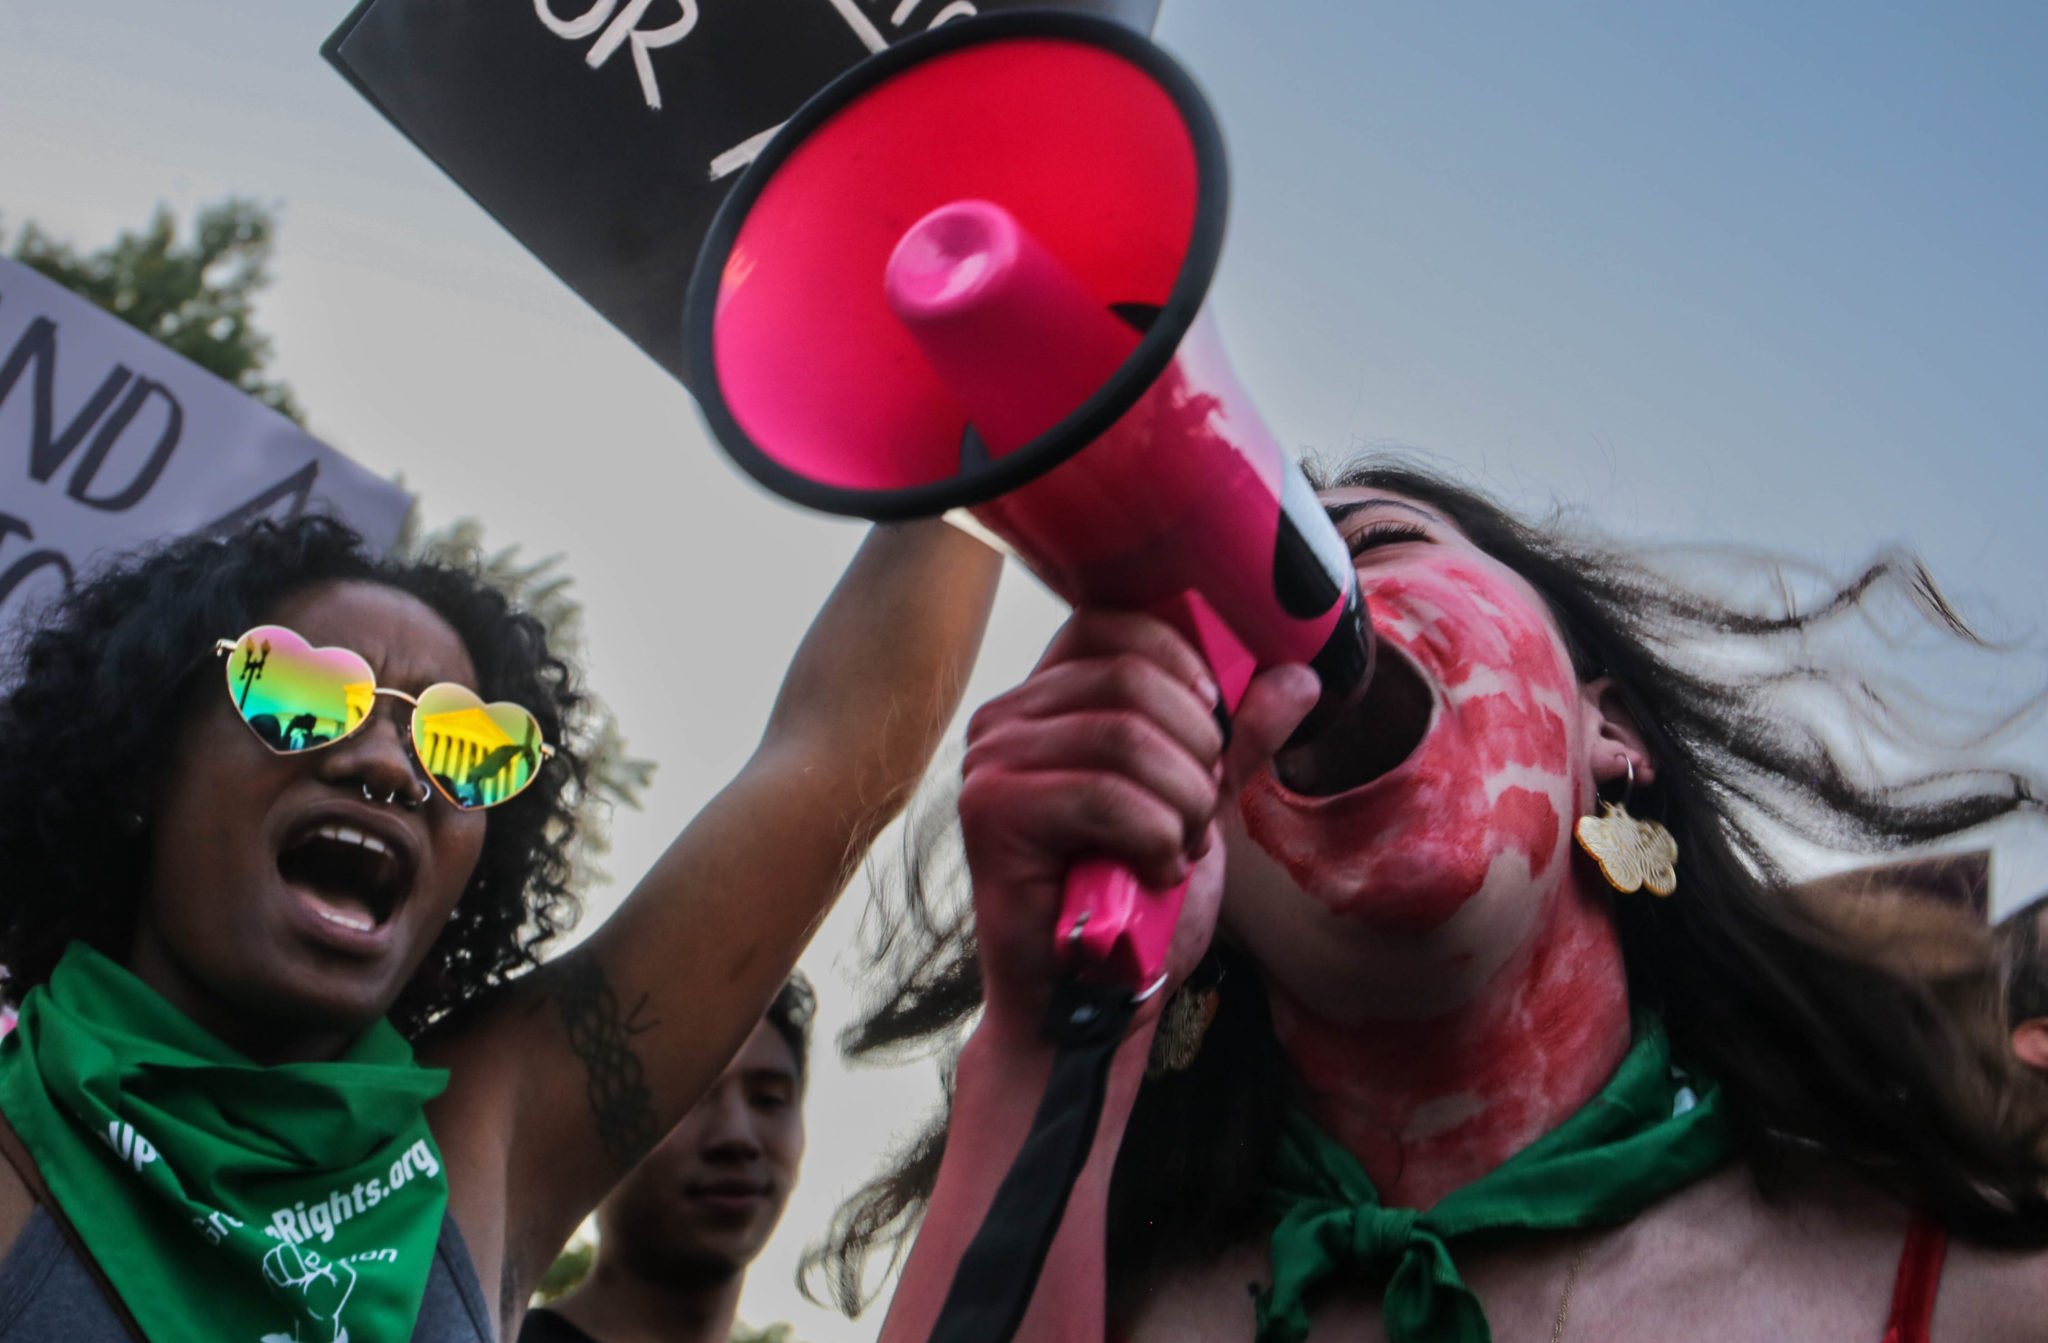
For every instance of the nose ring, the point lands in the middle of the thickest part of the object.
(392, 799)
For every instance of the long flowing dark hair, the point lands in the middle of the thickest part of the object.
(1843, 1021)
(83, 736)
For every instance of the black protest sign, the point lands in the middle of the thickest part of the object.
(604, 133)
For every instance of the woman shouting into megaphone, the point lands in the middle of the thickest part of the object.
(1497, 1015)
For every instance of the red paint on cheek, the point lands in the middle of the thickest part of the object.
(1489, 779)
(1530, 822)
(1505, 731)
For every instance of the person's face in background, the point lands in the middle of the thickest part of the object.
(704, 1202)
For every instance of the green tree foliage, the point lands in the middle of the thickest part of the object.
(568, 1271)
(774, 1333)
(193, 295)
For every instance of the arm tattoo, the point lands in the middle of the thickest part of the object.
(600, 1034)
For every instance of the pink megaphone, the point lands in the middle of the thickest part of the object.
(971, 274)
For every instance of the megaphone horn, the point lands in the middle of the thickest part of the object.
(971, 273)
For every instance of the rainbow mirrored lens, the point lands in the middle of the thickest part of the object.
(300, 698)
(294, 696)
(477, 754)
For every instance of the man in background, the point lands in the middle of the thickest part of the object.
(2024, 952)
(676, 1236)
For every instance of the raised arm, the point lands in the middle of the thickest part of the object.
(1109, 748)
(563, 1084)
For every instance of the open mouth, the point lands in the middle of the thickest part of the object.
(357, 879)
(1368, 740)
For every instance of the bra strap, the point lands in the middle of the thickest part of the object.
(1919, 1280)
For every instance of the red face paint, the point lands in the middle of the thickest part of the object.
(1488, 796)
(1442, 980)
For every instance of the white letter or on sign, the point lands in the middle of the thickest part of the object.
(575, 30)
(644, 41)
(618, 31)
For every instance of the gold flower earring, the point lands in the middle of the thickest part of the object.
(1631, 853)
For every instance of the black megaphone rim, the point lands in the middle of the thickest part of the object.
(1118, 393)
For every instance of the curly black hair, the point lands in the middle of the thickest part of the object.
(82, 738)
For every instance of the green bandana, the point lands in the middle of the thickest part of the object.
(228, 1202)
(1646, 1134)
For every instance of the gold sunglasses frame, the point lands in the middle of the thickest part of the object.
(226, 648)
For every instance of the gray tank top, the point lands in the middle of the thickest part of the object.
(46, 1294)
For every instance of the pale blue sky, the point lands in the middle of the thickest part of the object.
(1748, 273)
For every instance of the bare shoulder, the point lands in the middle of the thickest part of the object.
(1992, 1295)
(1985, 1294)
(1818, 1256)
(1809, 1256)
(1806, 1260)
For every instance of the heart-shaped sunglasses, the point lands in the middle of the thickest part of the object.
(299, 698)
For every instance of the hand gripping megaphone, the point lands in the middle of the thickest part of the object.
(971, 273)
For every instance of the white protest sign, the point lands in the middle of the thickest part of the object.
(109, 440)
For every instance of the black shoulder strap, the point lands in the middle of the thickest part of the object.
(999, 1271)
(25, 1166)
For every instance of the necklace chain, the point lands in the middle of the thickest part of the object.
(1564, 1302)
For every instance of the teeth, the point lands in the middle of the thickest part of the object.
(332, 916)
(350, 835)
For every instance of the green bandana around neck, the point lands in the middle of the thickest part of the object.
(1648, 1132)
(226, 1201)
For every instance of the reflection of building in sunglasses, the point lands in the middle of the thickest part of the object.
(473, 758)
(298, 698)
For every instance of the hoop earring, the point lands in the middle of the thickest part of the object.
(1631, 853)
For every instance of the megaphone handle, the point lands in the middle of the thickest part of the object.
(1112, 927)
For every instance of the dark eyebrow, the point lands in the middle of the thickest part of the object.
(1340, 512)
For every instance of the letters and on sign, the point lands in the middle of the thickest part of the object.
(604, 133)
(109, 441)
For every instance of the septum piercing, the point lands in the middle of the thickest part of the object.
(392, 799)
